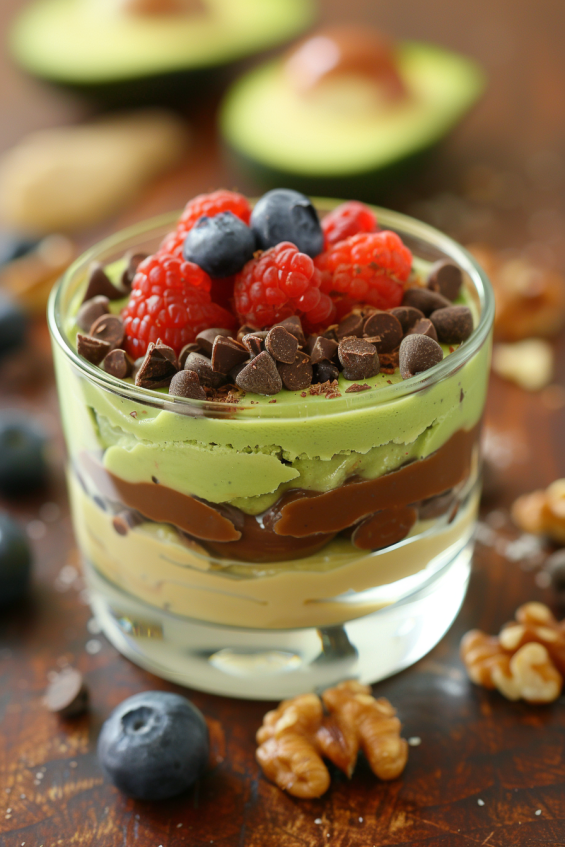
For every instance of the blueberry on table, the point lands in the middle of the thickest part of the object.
(12, 325)
(14, 246)
(15, 561)
(23, 467)
(220, 245)
(154, 745)
(286, 215)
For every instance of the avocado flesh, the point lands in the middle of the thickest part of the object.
(276, 134)
(82, 42)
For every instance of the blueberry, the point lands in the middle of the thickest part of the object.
(23, 467)
(154, 745)
(15, 561)
(12, 325)
(286, 215)
(14, 246)
(220, 245)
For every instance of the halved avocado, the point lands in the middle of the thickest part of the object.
(275, 136)
(91, 46)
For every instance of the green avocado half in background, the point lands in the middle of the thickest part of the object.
(331, 141)
(115, 56)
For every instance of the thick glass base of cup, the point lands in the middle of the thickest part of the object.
(267, 664)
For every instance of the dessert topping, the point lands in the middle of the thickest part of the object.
(205, 339)
(295, 738)
(446, 278)
(453, 324)
(99, 284)
(260, 376)
(323, 350)
(525, 661)
(286, 215)
(203, 367)
(294, 326)
(108, 328)
(408, 316)
(220, 245)
(117, 363)
(424, 327)
(417, 354)
(346, 220)
(350, 325)
(67, 695)
(255, 341)
(387, 328)
(192, 347)
(226, 354)
(282, 346)
(205, 205)
(543, 512)
(158, 366)
(91, 310)
(92, 349)
(187, 384)
(425, 300)
(358, 358)
(299, 374)
(133, 262)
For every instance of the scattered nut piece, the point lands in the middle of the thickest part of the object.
(67, 694)
(527, 363)
(295, 737)
(530, 299)
(543, 512)
(525, 661)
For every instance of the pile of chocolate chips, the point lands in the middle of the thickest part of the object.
(218, 366)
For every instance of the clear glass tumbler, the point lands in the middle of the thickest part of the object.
(346, 550)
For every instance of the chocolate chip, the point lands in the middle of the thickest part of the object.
(446, 278)
(193, 347)
(294, 326)
(67, 694)
(352, 325)
(282, 346)
(424, 327)
(99, 284)
(158, 367)
(226, 354)
(325, 371)
(425, 300)
(358, 358)
(407, 315)
(323, 350)
(453, 324)
(133, 262)
(235, 372)
(126, 520)
(206, 338)
(418, 353)
(203, 367)
(299, 374)
(187, 384)
(118, 363)
(244, 330)
(255, 341)
(92, 349)
(109, 328)
(91, 310)
(260, 376)
(387, 327)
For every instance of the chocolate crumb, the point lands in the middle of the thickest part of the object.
(92, 349)
(353, 389)
(133, 414)
(155, 480)
(91, 310)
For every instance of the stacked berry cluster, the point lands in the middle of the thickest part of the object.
(237, 273)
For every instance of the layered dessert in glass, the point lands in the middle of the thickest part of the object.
(274, 494)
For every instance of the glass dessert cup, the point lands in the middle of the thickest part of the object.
(261, 549)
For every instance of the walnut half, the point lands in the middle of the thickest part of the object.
(296, 737)
(525, 661)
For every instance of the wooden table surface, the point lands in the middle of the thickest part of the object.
(487, 772)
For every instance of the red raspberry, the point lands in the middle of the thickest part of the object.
(279, 283)
(170, 300)
(346, 220)
(368, 268)
(208, 205)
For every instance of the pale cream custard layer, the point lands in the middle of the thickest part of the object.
(153, 564)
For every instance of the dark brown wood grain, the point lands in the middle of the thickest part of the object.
(499, 179)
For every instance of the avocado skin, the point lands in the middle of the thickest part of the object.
(371, 185)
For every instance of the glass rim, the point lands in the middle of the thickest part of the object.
(396, 221)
